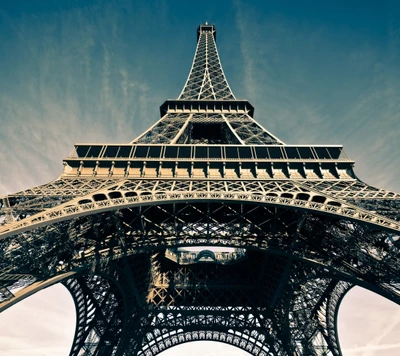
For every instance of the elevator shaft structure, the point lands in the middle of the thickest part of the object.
(205, 227)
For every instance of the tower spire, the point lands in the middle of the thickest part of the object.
(206, 79)
(206, 111)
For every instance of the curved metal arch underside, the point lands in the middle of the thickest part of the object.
(232, 223)
(100, 315)
(254, 342)
(279, 238)
(131, 194)
(260, 329)
(316, 300)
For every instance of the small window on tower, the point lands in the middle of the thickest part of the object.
(305, 153)
(322, 152)
(154, 152)
(292, 153)
(334, 152)
(124, 151)
(201, 152)
(262, 152)
(141, 151)
(275, 152)
(185, 152)
(214, 152)
(171, 152)
(245, 152)
(111, 151)
(94, 151)
(82, 151)
(231, 152)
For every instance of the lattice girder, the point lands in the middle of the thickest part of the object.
(128, 193)
(244, 327)
(109, 304)
(371, 253)
(177, 127)
(206, 79)
(21, 205)
(206, 174)
(309, 308)
(286, 232)
(238, 326)
(206, 99)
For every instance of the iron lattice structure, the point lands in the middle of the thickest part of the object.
(117, 229)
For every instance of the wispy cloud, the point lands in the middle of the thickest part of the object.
(312, 83)
(26, 326)
(245, 50)
(368, 324)
(68, 83)
(364, 349)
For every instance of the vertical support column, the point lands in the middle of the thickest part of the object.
(110, 308)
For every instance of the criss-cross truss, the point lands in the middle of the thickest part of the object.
(130, 230)
(206, 79)
(206, 111)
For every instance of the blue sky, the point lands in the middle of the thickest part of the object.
(320, 72)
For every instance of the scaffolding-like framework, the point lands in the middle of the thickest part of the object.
(131, 229)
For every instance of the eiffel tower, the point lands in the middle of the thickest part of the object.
(205, 227)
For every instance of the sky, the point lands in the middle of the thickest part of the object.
(317, 72)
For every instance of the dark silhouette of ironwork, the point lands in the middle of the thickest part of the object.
(119, 226)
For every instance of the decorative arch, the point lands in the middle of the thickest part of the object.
(122, 196)
(253, 343)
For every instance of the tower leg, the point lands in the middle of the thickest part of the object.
(109, 305)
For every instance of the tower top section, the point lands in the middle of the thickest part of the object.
(206, 111)
(208, 134)
(207, 28)
(206, 80)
